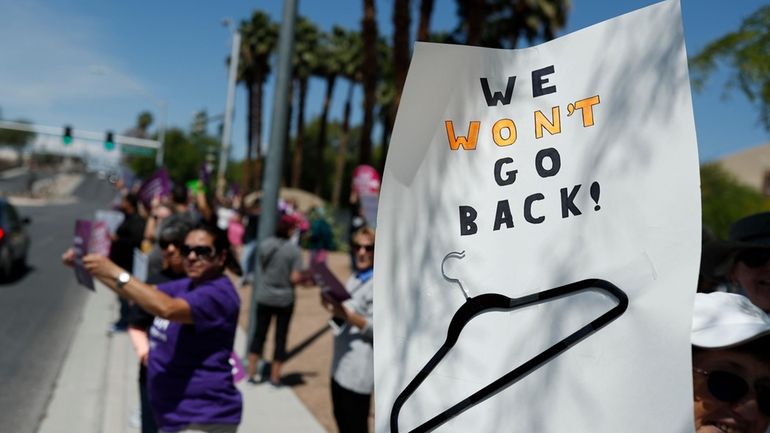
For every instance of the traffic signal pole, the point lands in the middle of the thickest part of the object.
(78, 133)
(272, 178)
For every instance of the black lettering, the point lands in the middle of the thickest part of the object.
(510, 175)
(498, 97)
(538, 81)
(528, 209)
(503, 215)
(568, 202)
(551, 154)
(467, 218)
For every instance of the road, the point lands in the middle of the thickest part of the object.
(41, 308)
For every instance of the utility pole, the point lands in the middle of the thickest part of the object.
(225, 150)
(272, 178)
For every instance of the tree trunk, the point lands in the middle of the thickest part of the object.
(339, 170)
(401, 23)
(423, 29)
(296, 170)
(476, 16)
(387, 127)
(321, 170)
(370, 75)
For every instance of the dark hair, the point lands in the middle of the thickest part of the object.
(179, 193)
(133, 200)
(221, 244)
(174, 228)
(284, 226)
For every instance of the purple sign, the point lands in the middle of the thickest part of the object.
(80, 244)
(157, 185)
(100, 239)
(331, 288)
(204, 173)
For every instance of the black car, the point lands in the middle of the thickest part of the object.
(14, 241)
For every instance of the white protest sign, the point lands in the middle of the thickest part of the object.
(539, 236)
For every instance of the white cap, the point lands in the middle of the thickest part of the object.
(722, 320)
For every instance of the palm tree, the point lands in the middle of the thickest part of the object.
(329, 67)
(500, 23)
(472, 13)
(387, 97)
(370, 76)
(352, 60)
(306, 41)
(423, 28)
(401, 23)
(258, 39)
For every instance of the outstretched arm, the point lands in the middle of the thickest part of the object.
(147, 296)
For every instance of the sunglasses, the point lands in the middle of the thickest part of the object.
(730, 388)
(165, 243)
(356, 247)
(754, 258)
(201, 251)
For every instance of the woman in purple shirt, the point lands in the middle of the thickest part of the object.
(189, 377)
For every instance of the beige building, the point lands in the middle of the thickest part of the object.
(750, 167)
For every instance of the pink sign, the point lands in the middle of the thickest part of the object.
(366, 180)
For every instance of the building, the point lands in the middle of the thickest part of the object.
(750, 167)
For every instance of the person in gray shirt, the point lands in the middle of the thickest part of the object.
(280, 263)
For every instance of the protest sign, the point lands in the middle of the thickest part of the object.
(91, 237)
(157, 185)
(331, 288)
(141, 265)
(80, 244)
(112, 218)
(100, 241)
(539, 236)
(366, 184)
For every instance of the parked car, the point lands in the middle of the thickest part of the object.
(14, 240)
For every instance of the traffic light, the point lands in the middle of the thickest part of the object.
(66, 137)
(109, 141)
(199, 123)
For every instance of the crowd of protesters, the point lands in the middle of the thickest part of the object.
(181, 315)
(182, 318)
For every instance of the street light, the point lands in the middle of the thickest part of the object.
(225, 149)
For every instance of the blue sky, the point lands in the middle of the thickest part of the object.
(96, 64)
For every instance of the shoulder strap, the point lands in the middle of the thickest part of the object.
(267, 258)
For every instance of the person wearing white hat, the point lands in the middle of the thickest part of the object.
(742, 261)
(731, 364)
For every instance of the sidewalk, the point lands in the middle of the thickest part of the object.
(97, 389)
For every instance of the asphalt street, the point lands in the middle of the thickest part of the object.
(41, 307)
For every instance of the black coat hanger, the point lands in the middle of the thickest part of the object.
(487, 302)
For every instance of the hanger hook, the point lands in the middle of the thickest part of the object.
(456, 255)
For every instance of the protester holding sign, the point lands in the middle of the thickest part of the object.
(189, 377)
(170, 239)
(731, 364)
(353, 362)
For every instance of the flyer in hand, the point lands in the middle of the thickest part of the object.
(80, 243)
(331, 288)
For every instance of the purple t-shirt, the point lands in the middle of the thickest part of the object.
(189, 377)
